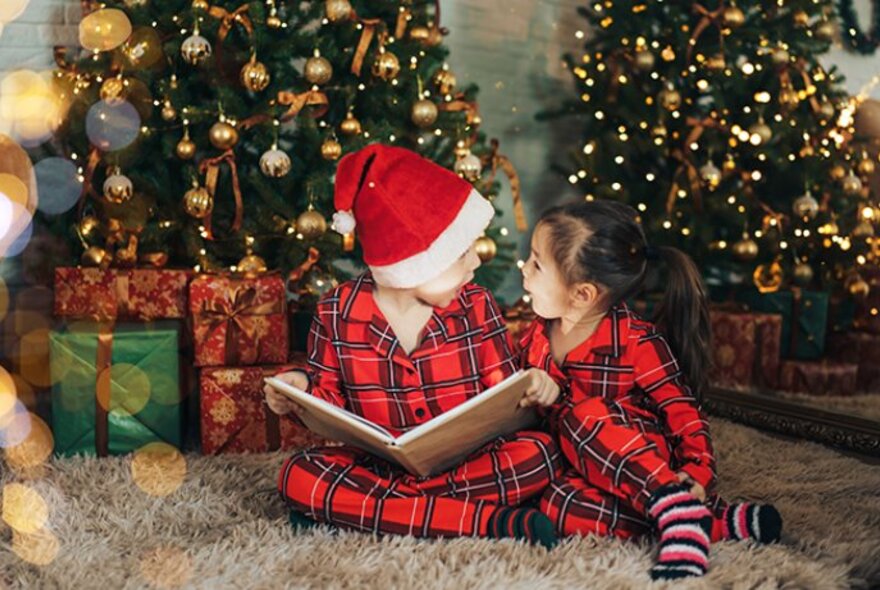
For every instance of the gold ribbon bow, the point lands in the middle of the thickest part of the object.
(211, 167)
(497, 160)
(708, 18)
(367, 33)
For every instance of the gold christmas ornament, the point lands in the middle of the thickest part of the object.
(733, 17)
(223, 135)
(762, 130)
(838, 172)
(659, 131)
(88, 225)
(711, 175)
(420, 33)
(825, 30)
(337, 10)
(274, 163)
(186, 148)
(801, 18)
(195, 49)
(788, 97)
(852, 185)
(863, 229)
(318, 70)
(350, 126)
(273, 22)
(866, 166)
(112, 90)
(252, 265)
(669, 99)
(331, 149)
(200, 5)
(486, 248)
(118, 188)
(445, 81)
(469, 167)
(668, 54)
(95, 256)
(857, 286)
(806, 206)
(802, 274)
(424, 113)
(644, 60)
(311, 224)
(768, 277)
(169, 113)
(255, 76)
(745, 249)
(780, 56)
(716, 63)
(198, 202)
(386, 66)
(729, 164)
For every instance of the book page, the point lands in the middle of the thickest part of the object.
(335, 423)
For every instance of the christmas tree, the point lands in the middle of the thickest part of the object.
(207, 134)
(716, 121)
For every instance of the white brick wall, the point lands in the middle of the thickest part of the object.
(511, 48)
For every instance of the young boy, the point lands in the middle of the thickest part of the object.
(408, 340)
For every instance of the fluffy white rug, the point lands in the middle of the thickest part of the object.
(224, 527)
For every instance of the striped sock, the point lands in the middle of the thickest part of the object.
(522, 523)
(759, 522)
(684, 525)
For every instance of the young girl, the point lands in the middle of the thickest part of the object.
(405, 342)
(628, 420)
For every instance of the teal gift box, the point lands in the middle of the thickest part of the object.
(804, 319)
(116, 387)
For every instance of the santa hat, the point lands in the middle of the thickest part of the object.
(413, 218)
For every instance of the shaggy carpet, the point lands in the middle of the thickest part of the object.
(216, 523)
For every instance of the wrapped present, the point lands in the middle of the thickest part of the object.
(239, 321)
(818, 377)
(108, 294)
(234, 418)
(115, 387)
(746, 349)
(862, 348)
(518, 318)
(804, 319)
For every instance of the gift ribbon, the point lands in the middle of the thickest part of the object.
(295, 102)
(211, 166)
(500, 161)
(368, 31)
(458, 104)
(708, 19)
(403, 17)
(103, 362)
(687, 168)
(227, 19)
(231, 311)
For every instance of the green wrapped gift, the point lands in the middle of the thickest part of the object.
(804, 319)
(116, 387)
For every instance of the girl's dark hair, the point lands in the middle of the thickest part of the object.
(602, 242)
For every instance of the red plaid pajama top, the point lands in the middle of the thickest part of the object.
(356, 361)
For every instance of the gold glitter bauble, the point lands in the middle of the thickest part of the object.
(424, 113)
(350, 126)
(255, 76)
(745, 249)
(825, 30)
(331, 149)
(273, 22)
(112, 90)
(95, 256)
(806, 206)
(223, 135)
(866, 167)
(802, 274)
(716, 63)
(486, 248)
(733, 17)
(169, 113)
(386, 66)
(801, 18)
(852, 185)
(195, 49)
(88, 225)
(762, 130)
(186, 148)
(318, 70)
(200, 5)
(252, 265)
(118, 188)
(644, 60)
(857, 287)
(337, 10)
(420, 33)
(311, 224)
(669, 99)
(838, 172)
(275, 163)
(198, 202)
(445, 81)
(768, 277)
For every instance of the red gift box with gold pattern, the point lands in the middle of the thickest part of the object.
(235, 419)
(110, 294)
(819, 377)
(746, 349)
(239, 321)
(862, 348)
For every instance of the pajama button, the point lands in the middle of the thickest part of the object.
(420, 412)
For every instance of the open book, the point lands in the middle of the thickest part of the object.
(438, 444)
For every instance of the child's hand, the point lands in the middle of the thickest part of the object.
(697, 490)
(543, 391)
(280, 403)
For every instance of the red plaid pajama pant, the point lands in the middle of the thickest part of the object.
(352, 489)
(615, 464)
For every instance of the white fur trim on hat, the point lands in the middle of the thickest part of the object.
(473, 218)
(343, 222)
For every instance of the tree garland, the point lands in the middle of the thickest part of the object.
(856, 39)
